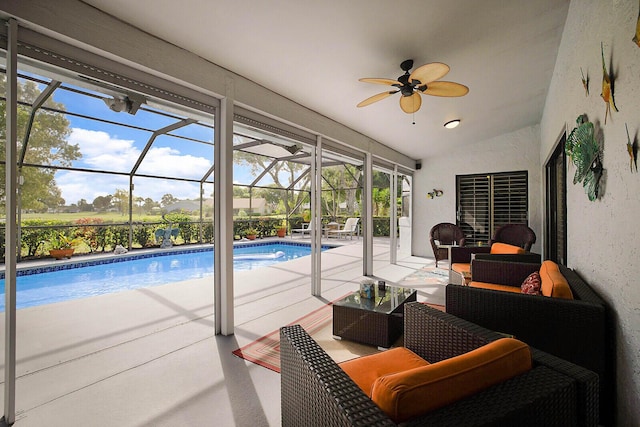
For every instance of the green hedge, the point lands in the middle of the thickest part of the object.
(100, 236)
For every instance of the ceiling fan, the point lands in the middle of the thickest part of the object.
(421, 81)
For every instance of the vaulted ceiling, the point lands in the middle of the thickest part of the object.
(314, 52)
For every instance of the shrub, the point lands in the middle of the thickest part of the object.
(88, 229)
(142, 235)
(34, 235)
(207, 232)
(118, 235)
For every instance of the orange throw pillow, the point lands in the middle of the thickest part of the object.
(554, 284)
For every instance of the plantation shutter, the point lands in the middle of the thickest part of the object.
(509, 199)
(487, 201)
(473, 207)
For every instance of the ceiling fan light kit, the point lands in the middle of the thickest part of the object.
(452, 124)
(422, 81)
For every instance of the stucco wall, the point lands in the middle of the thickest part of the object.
(516, 151)
(603, 236)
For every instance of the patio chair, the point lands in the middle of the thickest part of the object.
(318, 392)
(306, 229)
(350, 228)
(445, 233)
(515, 234)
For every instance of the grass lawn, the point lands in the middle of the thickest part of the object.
(105, 216)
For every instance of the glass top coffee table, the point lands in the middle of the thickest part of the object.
(376, 321)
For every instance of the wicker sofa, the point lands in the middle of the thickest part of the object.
(575, 329)
(461, 257)
(317, 392)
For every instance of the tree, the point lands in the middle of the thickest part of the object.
(47, 144)
(240, 192)
(381, 201)
(274, 197)
(139, 204)
(280, 172)
(121, 200)
(344, 183)
(84, 206)
(167, 200)
(149, 204)
(102, 203)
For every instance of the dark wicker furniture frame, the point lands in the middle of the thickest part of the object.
(467, 253)
(515, 234)
(576, 330)
(367, 326)
(315, 391)
(445, 233)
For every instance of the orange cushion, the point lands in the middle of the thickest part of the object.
(414, 392)
(504, 248)
(366, 369)
(554, 283)
(495, 287)
(461, 267)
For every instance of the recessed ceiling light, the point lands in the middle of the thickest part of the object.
(452, 124)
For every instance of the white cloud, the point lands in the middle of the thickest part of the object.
(100, 151)
(169, 161)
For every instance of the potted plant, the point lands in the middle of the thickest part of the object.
(250, 233)
(62, 246)
(282, 229)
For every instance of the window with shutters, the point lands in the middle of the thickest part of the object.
(487, 201)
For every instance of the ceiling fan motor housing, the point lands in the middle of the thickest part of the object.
(406, 65)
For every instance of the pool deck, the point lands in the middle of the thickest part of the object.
(149, 357)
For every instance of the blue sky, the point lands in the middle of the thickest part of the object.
(110, 147)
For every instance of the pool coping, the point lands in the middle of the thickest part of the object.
(87, 260)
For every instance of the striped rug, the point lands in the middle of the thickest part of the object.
(265, 351)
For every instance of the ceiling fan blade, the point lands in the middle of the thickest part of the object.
(377, 81)
(376, 98)
(446, 89)
(410, 104)
(428, 73)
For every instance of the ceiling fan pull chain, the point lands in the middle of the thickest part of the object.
(414, 110)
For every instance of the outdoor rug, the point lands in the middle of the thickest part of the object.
(430, 282)
(427, 276)
(265, 351)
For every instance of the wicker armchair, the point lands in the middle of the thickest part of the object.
(317, 392)
(515, 234)
(576, 330)
(445, 233)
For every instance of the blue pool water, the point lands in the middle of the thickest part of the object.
(53, 284)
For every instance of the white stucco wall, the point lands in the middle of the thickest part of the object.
(516, 151)
(603, 236)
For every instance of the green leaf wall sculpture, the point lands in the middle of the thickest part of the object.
(584, 151)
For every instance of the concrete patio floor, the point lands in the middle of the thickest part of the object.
(148, 357)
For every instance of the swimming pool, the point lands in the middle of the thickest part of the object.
(55, 283)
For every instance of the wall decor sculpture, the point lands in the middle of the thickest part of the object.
(434, 193)
(632, 149)
(585, 82)
(607, 93)
(585, 153)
